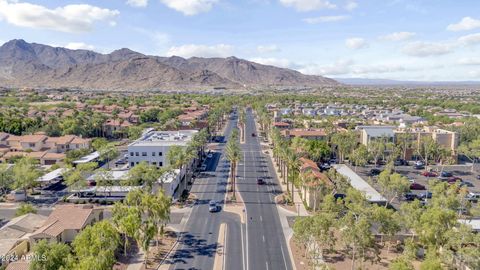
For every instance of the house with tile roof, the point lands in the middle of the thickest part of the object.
(14, 236)
(65, 222)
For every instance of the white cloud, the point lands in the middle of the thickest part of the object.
(190, 50)
(79, 46)
(323, 19)
(267, 48)
(398, 36)
(284, 63)
(338, 68)
(356, 43)
(469, 39)
(351, 5)
(467, 23)
(474, 74)
(308, 5)
(190, 7)
(424, 49)
(469, 61)
(69, 18)
(137, 3)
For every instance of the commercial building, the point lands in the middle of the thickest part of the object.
(153, 146)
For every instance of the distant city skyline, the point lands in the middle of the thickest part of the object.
(422, 40)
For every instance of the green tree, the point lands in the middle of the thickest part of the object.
(127, 220)
(392, 185)
(25, 208)
(234, 155)
(25, 174)
(6, 178)
(108, 152)
(134, 132)
(345, 142)
(96, 245)
(401, 263)
(51, 256)
(471, 150)
(360, 156)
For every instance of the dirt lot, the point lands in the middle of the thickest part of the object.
(339, 260)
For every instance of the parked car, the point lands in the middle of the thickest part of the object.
(425, 195)
(400, 162)
(429, 174)
(122, 161)
(338, 196)
(419, 165)
(325, 166)
(445, 175)
(213, 206)
(375, 172)
(473, 196)
(410, 196)
(417, 186)
(260, 181)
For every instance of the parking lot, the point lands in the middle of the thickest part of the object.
(461, 171)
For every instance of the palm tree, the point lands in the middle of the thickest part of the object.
(234, 155)
(293, 164)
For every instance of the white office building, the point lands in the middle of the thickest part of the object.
(153, 146)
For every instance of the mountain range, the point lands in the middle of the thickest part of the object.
(24, 64)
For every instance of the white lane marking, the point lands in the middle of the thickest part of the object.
(283, 255)
(263, 237)
(243, 246)
(261, 219)
(266, 264)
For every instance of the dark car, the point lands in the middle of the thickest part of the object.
(445, 175)
(325, 166)
(417, 186)
(260, 181)
(253, 135)
(425, 195)
(419, 167)
(338, 196)
(410, 196)
(375, 172)
(400, 162)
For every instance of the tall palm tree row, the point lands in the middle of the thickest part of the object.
(234, 155)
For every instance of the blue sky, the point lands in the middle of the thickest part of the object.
(395, 39)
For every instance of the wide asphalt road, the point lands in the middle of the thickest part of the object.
(265, 242)
(198, 242)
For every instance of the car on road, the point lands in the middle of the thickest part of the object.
(121, 161)
(260, 181)
(253, 135)
(375, 172)
(213, 206)
(417, 186)
(429, 174)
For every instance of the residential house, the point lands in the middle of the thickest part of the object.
(310, 134)
(14, 236)
(65, 222)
